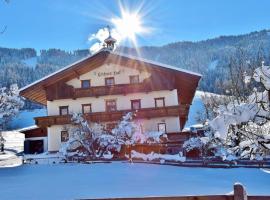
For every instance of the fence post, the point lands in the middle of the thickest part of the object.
(239, 192)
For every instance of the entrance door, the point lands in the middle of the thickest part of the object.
(36, 146)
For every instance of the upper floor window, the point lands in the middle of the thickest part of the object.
(109, 81)
(63, 110)
(134, 79)
(136, 104)
(111, 105)
(64, 136)
(160, 102)
(85, 83)
(162, 127)
(86, 108)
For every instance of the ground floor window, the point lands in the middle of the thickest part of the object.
(110, 105)
(162, 127)
(64, 136)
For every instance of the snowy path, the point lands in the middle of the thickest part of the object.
(70, 181)
(9, 159)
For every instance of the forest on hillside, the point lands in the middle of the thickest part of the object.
(210, 57)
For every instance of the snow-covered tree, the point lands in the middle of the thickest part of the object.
(92, 140)
(241, 128)
(130, 131)
(83, 137)
(10, 103)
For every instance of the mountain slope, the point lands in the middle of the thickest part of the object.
(209, 57)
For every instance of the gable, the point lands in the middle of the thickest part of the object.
(97, 76)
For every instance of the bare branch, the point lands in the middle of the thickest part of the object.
(3, 30)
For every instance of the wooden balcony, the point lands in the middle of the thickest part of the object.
(64, 91)
(110, 90)
(114, 116)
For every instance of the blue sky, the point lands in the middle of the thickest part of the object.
(67, 24)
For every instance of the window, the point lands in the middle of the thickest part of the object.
(109, 81)
(110, 126)
(134, 79)
(85, 83)
(162, 127)
(64, 136)
(86, 108)
(63, 110)
(136, 104)
(160, 102)
(110, 105)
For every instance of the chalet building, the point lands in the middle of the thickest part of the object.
(105, 86)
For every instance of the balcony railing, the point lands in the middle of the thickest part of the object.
(111, 90)
(114, 116)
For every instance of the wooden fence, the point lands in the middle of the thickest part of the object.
(239, 194)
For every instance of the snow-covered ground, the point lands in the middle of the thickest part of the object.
(73, 181)
(9, 159)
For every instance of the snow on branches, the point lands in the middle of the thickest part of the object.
(88, 139)
(10, 103)
(241, 127)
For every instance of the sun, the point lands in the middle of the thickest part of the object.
(130, 24)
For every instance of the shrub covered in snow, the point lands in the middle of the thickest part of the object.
(88, 139)
(10, 103)
(241, 127)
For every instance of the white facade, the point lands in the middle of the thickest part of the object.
(123, 102)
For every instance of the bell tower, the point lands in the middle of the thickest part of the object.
(110, 41)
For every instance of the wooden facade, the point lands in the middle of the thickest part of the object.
(35, 132)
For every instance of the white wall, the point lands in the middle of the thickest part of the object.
(172, 125)
(97, 76)
(123, 101)
(54, 137)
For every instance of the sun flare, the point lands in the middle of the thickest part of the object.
(128, 26)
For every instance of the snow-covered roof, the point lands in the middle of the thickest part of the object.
(157, 63)
(27, 128)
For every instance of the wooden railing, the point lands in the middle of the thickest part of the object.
(114, 116)
(64, 91)
(239, 194)
(111, 90)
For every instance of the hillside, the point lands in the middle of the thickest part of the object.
(209, 57)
